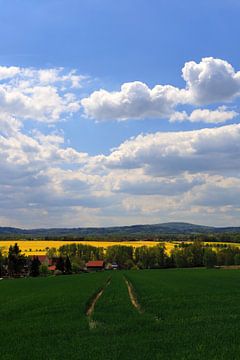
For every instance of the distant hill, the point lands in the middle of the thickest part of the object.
(134, 230)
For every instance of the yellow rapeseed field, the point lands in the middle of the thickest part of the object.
(39, 247)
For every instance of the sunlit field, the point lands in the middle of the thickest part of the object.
(183, 314)
(37, 247)
(40, 247)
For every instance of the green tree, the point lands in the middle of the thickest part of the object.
(51, 252)
(43, 270)
(68, 266)
(119, 254)
(1, 263)
(34, 268)
(16, 260)
(237, 259)
(209, 258)
(60, 264)
(225, 256)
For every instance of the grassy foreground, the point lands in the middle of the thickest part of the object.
(187, 314)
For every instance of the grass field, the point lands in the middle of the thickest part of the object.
(186, 314)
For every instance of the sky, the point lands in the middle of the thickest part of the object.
(119, 113)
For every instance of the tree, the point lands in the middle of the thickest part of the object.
(60, 264)
(188, 255)
(119, 254)
(142, 257)
(34, 268)
(129, 264)
(179, 258)
(51, 252)
(1, 263)
(68, 266)
(16, 261)
(237, 259)
(225, 256)
(209, 258)
(43, 270)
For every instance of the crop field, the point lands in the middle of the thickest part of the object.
(161, 314)
(39, 247)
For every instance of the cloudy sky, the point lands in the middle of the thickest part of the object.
(119, 112)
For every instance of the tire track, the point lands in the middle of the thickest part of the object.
(132, 296)
(92, 303)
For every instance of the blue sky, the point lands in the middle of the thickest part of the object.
(84, 156)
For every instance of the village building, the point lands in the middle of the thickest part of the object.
(44, 259)
(52, 268)
(97, 265)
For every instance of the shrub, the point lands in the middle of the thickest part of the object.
(43, 269)
(57, 272)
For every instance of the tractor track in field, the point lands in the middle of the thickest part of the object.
(132, 296)
(92, 303)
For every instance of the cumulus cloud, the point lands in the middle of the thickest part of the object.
(164, 154)
(220, 115)
(38, 94)
(208, 82)
(8, 72)
(211, 80)
(135, 101)
(147, 178)
(212, 116)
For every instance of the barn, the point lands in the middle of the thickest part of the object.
(96, 265)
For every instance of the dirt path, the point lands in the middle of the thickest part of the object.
(93, 303)
(90, 308)
(133, 297)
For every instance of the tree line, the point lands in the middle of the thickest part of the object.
(72, 258)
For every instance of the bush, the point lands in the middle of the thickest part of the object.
(76, 268)
(43, 269)
(129, 264)
(237, 259)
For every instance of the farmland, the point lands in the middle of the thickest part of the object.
(185, 314)
(39, 247)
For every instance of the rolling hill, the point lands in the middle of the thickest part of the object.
(134, 230)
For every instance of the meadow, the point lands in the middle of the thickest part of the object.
(183, 314)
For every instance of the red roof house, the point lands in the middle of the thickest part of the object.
(52, 268)
(95, 265)
(44, 259)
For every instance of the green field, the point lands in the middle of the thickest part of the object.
(185, 314)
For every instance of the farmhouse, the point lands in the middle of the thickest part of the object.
(95, 265)
(52, 268)
(44, 259)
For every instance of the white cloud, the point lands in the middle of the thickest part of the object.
(154, 177)
(210, 81)
(134, 101)
(218, 116)
(149, 178)
(41, 95)
(8, 72)
(8, 125)
(212, 116)
(172, 153)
